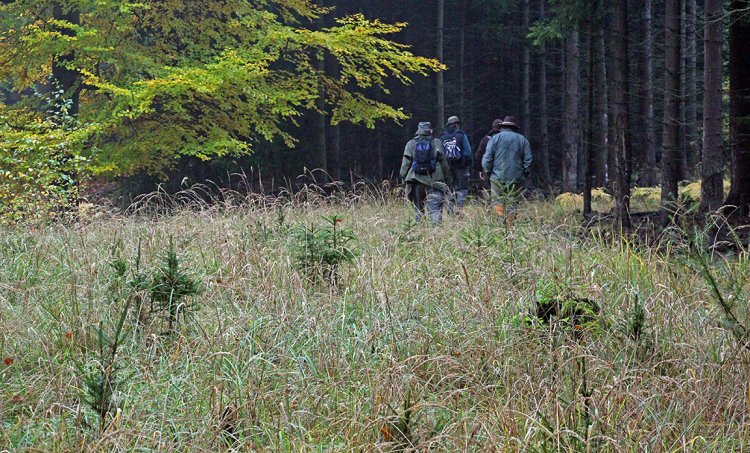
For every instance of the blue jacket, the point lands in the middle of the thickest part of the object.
(508, 157)
(465, 147)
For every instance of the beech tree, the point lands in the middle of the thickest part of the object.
(165, 79)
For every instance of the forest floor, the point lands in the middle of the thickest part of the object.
(461, 337)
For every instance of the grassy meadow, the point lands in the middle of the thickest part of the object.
(423, 339)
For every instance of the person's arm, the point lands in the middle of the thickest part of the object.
(489, 155)
(481, 150)
(468, 152)
(442, 161)
(526, 158)
(406, 161)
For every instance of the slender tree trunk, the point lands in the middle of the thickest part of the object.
(620, 113)
(440, 81)
(463, 10)
(335, 166)
(571, 126)
(671, 155)
(68, 80)
(544, 177)
(589, 148)
(739, 105)
(712, 168)
(526, 77)
(691, 90)
(600, 112)
(378, 176)
(320, 160)
(649, 170)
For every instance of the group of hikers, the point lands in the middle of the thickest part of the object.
(436, 170)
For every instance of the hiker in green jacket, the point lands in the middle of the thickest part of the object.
(424, 170)
(507, 162)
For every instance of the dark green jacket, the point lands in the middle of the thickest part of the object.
(437, 178)
(508, 157)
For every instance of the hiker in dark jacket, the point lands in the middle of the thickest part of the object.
(424, 169)
(458, 153)
(482, 148)
(507, 162)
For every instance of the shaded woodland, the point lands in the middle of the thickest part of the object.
(612, 94)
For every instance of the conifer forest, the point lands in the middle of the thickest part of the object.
(328, 225)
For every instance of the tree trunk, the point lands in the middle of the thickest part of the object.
(571, 126)
(463, 10)
(691, 90)
(712, 168)
(378, 170)
(68, 80)
(319, 158)
(589, 148)
(600, 112)
(440, 81)
(648, 170)
(526, 77)
(620, 113)
(671, 155)
(739, 105)
(335, 164)
(544, 176)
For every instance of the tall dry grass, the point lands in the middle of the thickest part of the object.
(425, 322)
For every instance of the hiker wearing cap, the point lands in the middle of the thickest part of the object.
(482, 148)
(424, 168)
(507, 162)
(459, 156)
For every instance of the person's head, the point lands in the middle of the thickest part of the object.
(424, 128)
(496, 124)
(452, 122)
(511, 123)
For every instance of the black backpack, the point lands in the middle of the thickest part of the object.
(453, 142)
(424, 162)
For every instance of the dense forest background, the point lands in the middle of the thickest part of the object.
(612, 94)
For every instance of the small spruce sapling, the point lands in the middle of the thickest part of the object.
(171, 287)
(319, 252)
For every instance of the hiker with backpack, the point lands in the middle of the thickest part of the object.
(507, 162)
(424, 169)
(459, 156)
(482, 148)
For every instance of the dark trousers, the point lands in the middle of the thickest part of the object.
(421, 197)
(460, 187)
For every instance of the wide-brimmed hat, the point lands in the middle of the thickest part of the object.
(452, 120)
(425, 127)
(510, 121)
